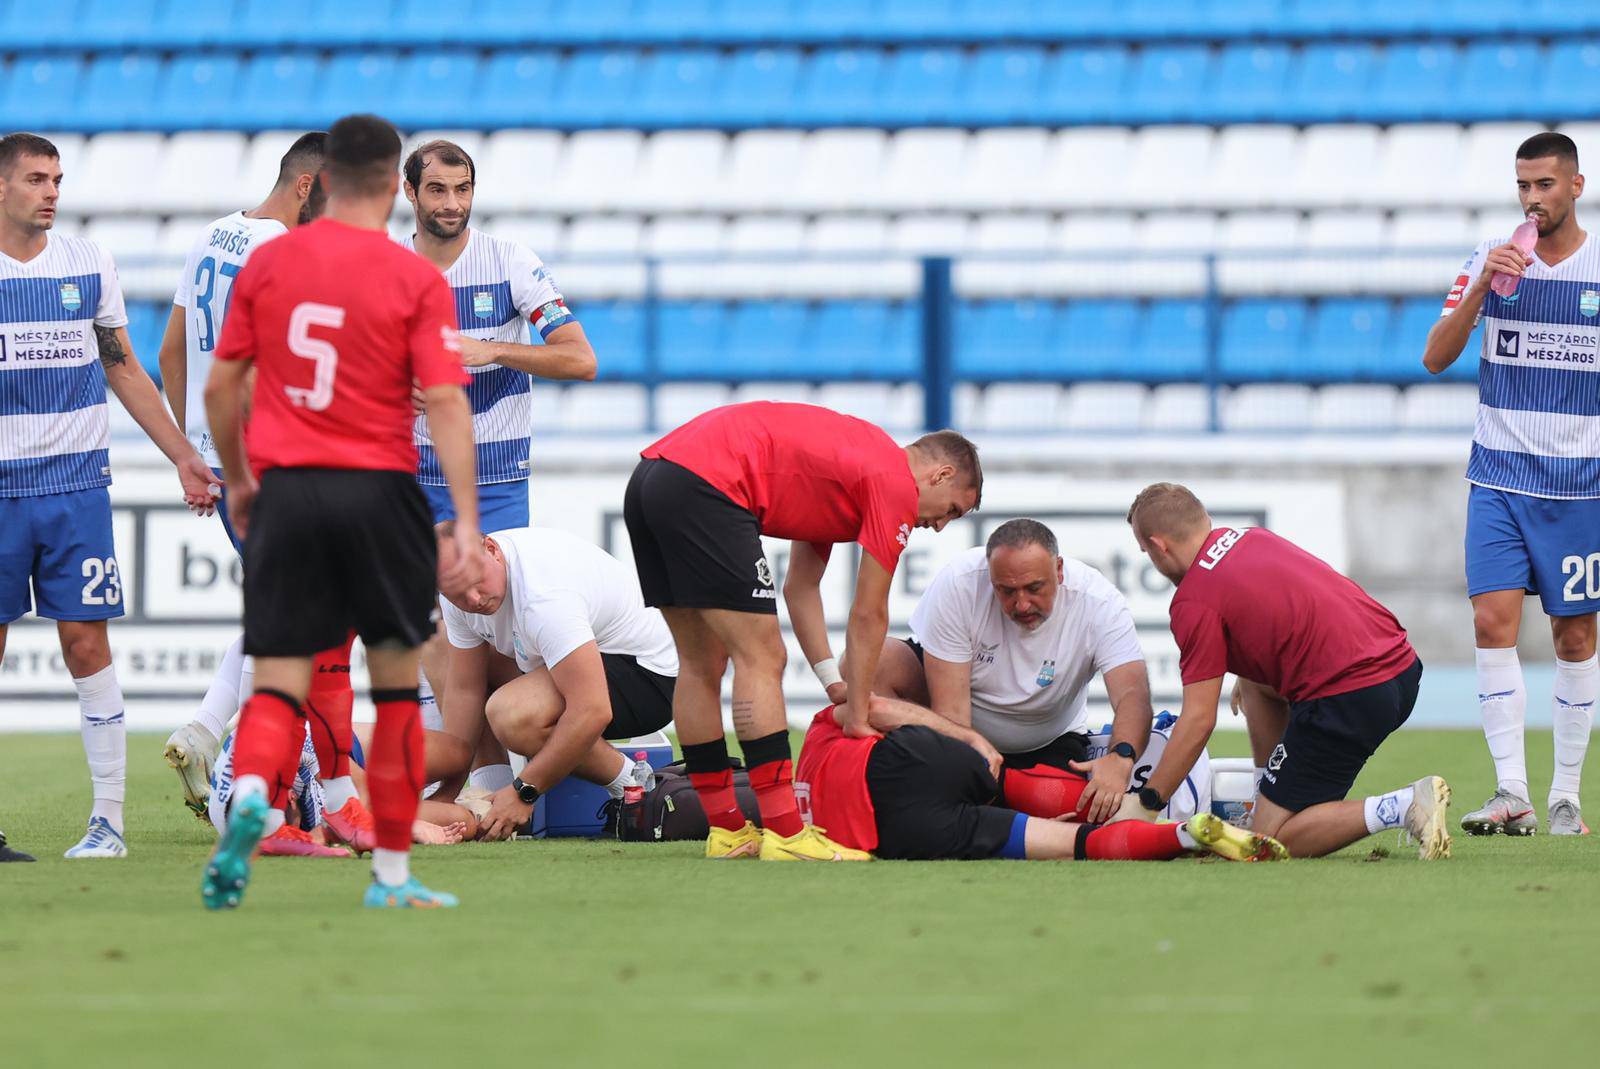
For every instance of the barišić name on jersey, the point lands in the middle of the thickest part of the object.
(54, 428)
(1538, 427)
(500, 287)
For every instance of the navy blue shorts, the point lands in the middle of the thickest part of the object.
(61, 546)
(1545, 546)
(501, 506)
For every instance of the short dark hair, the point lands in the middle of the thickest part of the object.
(953, 448)
(1549, 143)
(1020, 533)
(446, 152)
(15, 146)
(361, 152)
(305, 156)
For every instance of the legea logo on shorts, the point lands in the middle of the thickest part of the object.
(1279, 755)
(763, 572)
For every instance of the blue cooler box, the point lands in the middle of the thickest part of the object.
(575, 808)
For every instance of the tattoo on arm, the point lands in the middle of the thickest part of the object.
(112, 354)
(743, 715)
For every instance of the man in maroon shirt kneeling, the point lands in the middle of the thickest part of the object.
(1326, 675)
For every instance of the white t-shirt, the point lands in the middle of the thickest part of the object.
(1028, 687)
(215, 259)
(562, 592)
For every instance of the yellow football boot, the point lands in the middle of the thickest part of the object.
(808, 844)
(725, 845)
(1226, 841)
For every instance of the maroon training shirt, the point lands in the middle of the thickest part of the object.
(1263, 608)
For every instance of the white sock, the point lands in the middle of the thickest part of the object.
(391, 867)
(624, 778)
(1503, 704)
(105, 741)
(428, 706)
(1387, 810)
(491, 777)
(244, 787)
(247, 686)
(1572, 715)
(1186, 840)
(337, 791)
(223, 697)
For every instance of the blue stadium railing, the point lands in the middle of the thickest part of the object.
(1222, 333)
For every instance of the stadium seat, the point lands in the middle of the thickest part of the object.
(603, 408)
(262, 157)
(1170, 342)
(433, 88)
(41, 92)
(1177, 407)
(118, 92)
(26, 25)
(604, 236)
(922, 171)
(1412, 82)
(179, 25)
(616, 329)
(929, 235)
(837, 87)
(276, 91)
(839, 170)
(1005, 169)
(1167, 84)
(360, 82)
(1417, 161)
(352, 23)
(1262, 407)
(897, 408)
(268, 23)
(1438, 407)
(196, 91)
(1104, 406)
(1346, 338)
(586, 22)
(594, 89)
(1002, 340)
(692, 337)
(1569, 84)
(1247, 83)
(112, 24)
(1019, 408)
(1328, 83)
(1409, 334)
(832, 20)
(865, 340)
(199, 172)
(1489, 85)
(1335, 166)
(1002, 86)
(544, 234)
(1247, 166)
(1432, 230)
(770, 340)
(677, 235)
(761, 164)
(676, 88)
(147, 321)
(1487, 174)
(921, 87)
(594, 172)
(102, 184)
(1355, 408)
(757, 88)
(1083, 85)
(516, 168)
(1086, 167)
(1096, 336)
(676, 403)
(1261, 340)
(1160, 154)
(125, 237)
(515, 89)
(1168, 232)
(679, 170)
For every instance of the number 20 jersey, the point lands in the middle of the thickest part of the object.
(205, 291)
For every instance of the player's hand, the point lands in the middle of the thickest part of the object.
(475, 352)
(986, 750)
(1130, 809)
(852, 720)
(838, 694)
(201, 487)
(507, 813)
(462, 567)
(419, 400)
(241, 496)
(1505, 258)
(1108, 785)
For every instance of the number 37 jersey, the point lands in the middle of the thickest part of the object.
(205, 292)
(339, 320)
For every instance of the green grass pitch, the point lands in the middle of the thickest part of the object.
(591, 953)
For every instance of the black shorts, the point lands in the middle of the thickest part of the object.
(1328, 740)
(933, 798)
(692, 546)
(1058, 753)
(332, 550)
(641, 700)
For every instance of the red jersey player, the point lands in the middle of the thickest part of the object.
(696, 508)
(1326, 674)
(337, 321)
(924, 791)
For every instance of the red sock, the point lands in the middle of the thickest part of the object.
(328, 709)
(271, 734)
(1132, 840)
(773, 782)
(1042, 791)
(715, 790)
(394, 767)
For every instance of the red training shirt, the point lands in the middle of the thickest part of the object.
(339, 321)
(807, 473)
(1260, 606)
(834, 765)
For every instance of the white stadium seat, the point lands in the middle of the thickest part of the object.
(1175, 407)
(259, 171)
(839, 170)
(894, 407)
(679, 171)
(922, 171)
(1355, 408)
(1267, 408)
(1432, 230)
(1004, 169)
(794, 392)
(1335, 167)
(684, 235)
(921, 235)
(200, 173)
(126, 237)
(1488, 172)
(604, 408)
(1161, 232)
(179, 234)
(1420, 165)
(1248, 164)
(679, 402)
(1439, 406)
(1085, 167)
(597, 169)
(1015, 407)
(1163, 159)
(515, 169)
(761, 169)
(546, 235)
(998, 274)
(600, 260)
(1105, 406)
(604, 236)
(114, 173)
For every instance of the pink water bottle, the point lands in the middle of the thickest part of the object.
(1523, 237)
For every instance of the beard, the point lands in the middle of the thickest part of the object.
(1550, 222)
(445, 231)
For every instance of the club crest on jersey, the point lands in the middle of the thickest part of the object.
(1589, 303)
(483, 304)
(1047, 674)
(71, 297)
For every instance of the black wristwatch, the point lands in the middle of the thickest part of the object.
(1125, 749)
(526, 791)
(1151, 799)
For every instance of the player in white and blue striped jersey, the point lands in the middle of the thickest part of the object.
(63, 341)
(501, 288)
(1533, 511)
(199, 306)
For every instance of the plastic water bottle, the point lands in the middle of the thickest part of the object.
(1524, 238)
(632, 816)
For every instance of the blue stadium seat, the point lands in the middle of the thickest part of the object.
(1328, 83)
(516, 88)
(1492, 81)
(1069, 22)
(862, 340)
(1241, 18)
(264, 23)
(1262, 340)
(436, 88)
(1561, 17)
(118, 91)
(920, 20)
(119, 23)
(692, 337)
(1139, 19)
(1083, 85)
(27, 24)
(921, 88)
(755, 20)
(580, 21)
(197, 90)
(757, 87)
(146, 323)
(838, 86)
(41, 93)
(901, 357)
(1408, 334)
(1247, 83)
(594, 88)
(834, 20)
(767, 340)
(996, 19)
(357, 81)
(184, 25)
(673, 21)
(1097, 336)
(1413, 81)
(1171, 342)
(351, 23)
(1006, 340)
(676, 87)
(1570, 85)
(1349, 338)
(1167, 84)
(616, 330)
(1002, 87)
(277, 90)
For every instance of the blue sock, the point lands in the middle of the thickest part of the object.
(1015, 848)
